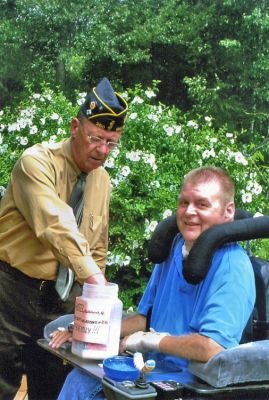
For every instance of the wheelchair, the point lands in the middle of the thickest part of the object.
(238, 373)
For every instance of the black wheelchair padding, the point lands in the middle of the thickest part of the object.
(198, 262)
(165, 232)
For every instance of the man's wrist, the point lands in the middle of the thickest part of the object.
(96, 279)
(145, 341)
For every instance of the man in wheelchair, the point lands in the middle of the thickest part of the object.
(178, 321)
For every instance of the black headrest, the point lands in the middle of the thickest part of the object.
(197, 264)
(199, 260)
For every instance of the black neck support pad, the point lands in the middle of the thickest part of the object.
(198, 262)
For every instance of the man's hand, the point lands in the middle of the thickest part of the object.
(96, 279)
(59, 337)
(143, 341)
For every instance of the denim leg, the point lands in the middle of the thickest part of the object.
(81, 386)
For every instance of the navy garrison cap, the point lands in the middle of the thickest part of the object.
(104, 107)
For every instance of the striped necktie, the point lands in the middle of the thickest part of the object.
(65, 276)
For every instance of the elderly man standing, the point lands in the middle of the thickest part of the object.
(53, 237)
(188, 321)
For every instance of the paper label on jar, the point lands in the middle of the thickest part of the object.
(92, 320)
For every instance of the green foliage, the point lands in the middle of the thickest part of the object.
(180, 42)
(160, 145)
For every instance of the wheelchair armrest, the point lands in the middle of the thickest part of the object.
(245, 363)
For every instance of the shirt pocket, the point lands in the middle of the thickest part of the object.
(94, 222)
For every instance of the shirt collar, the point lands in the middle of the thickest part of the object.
(185, 252)
(69, 158)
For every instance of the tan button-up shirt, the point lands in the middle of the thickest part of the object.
(37, 226)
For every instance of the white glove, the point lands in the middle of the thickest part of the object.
(144, 341)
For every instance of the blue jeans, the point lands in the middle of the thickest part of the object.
(81, 386)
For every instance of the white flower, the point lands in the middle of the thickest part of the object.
(23, 140)
(36, 96)
(253, 175)
(153, 117)
(109, 163)
(80, 102)
(167, 213)
(150, 93)
(213, 140)
(48, 97)
(2, 191)
(42, 121)
(208, 120)
(177, 128)
(28, 112)
(1, 113)
(13, 127)
(4, 148)
(137, 100)
(126, 261)
(115, 152)
(212, 153)
(60, 131)
(247, 197)
(112, 259)
(206, 154)
(229, 135)
(240, 159)
(249, 186)
(257, 214)
(23, 122)
(169, 130)
(133, 155)
(192, 124)
(159, 109)
(33, 130)
(52, 139)
(115, 181)
(155, 184)
(150, 159)
(118, 259)
(81, 98)
(82, 94)
(135, 244)
(125, 171)
(133, 115)
(54, 116)
(257, 189)
(152, 226)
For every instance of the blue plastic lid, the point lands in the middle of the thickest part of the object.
(120, 368)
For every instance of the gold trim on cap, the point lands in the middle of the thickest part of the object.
(106, 106)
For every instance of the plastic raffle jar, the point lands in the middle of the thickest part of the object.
(97, 323)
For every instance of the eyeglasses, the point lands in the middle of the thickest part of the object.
(98, 142)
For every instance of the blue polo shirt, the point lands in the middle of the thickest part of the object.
(219, 307)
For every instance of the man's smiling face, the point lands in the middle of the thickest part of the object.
(201, 205)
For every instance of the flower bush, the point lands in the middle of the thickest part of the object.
(159, 146)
